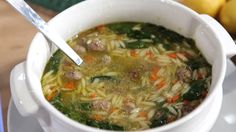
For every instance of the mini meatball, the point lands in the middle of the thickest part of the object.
(184, 74)
(95, 45)
(75, 75)
(79, 49)
(129, 106)
(101, 105)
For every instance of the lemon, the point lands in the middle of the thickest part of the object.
(228, 16)
(210, 7)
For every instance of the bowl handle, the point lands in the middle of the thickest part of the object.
(225, 39)
(22, 98)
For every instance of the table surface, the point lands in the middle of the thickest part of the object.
(15, 37)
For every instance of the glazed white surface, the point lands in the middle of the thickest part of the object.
(27, 94)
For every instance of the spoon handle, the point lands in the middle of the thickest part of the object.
(22, 7)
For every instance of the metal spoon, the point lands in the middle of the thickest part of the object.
(22, 7)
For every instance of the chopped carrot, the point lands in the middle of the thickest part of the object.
(153, 75)
(93, 95)
(142, 114)
(112, 109)
(155, 69)
(133, 53)
(69, 85)
(101, 28)
(174, 81)
(160, 85)
(172, 55)
(50, 96)
(88, 59)
(173, 99)
(149, 54)
(97, 117)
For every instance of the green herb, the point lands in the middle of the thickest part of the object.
(101, 78)
(197, 63)
(160, 118)
(80, 112)
(122, 28)
(195, 91)
(161, 33)
(137, 45)
(53, 63)
(104, 125)
(158, 34)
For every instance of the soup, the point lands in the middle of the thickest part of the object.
(135, 76)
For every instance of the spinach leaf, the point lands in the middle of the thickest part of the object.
(161, 33)
(195, 91)
(160, 118)
(104, 125)
(138, 35)
(101, 78)
(137, 45)
(53, 63)
(85, 106)
(56, 102)
(80, 112)
(195, 63)
(158, 34)
(122, 28)
(190, 41)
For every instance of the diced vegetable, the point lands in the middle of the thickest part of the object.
(195, 91)
(153, 74)
(197, 63)
(80, 112)
(137, 45)
(88, 59)
(157, 34)
(93, 95)
(124, 28)
(133, 53)
(160, 118)
(172, 55)
(149, 54)
(161, 85)
(101, 78)
(173, 99)
(51, 95)
(104, 125)
(54, 61)
(142, 114)
(69, 85)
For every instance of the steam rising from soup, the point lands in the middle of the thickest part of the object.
(135, 76)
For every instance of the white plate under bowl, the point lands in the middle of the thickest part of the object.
(226, 121)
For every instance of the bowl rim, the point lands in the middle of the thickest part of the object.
(46, 105)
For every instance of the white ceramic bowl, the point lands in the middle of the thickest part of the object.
(213, 41)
